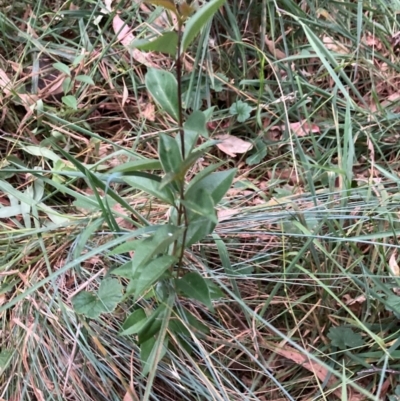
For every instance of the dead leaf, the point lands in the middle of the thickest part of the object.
(231, 145)
(314, 367)
(278, 54)
(126, 37)
(131, 394)
(301, 128)
(149, 112)
(393, 266)
(26, 100)
(334, 45)
(348, 300)
(226, 214)
(123, 222)
(125, 94)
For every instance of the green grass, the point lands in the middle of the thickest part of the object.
(312, 245)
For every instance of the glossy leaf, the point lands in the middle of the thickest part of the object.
(193, 286)
(198, 21)
(165, 43)
(134, 323)
(106, 299)
(163, 86)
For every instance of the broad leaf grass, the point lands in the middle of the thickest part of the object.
(311, 242)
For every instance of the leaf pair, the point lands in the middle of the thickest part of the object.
(168, 42)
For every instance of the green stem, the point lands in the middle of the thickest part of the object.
(181, 210)
(179, 79)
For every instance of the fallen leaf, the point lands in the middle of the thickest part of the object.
(318, 370)
(334, 45)
(278, 54)
(231, 145)
(226, 214)
(126, 37)
(348, 300)
(393, 266)
(149, 112)
(301, 128)
(123, 222)
(125, 94)
(26, 100)
(372, 41)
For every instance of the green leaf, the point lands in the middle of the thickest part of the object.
(137, 165)
(148, 355)
(151, 187)
(62, 67)
(151, 272)
(41, 152)
(163, 86)
(170, 154)
(185, 166)
(166, 43)
(344, 337)
(85, 79)
(126, 270)
(241, 109)
(146, 249)
(217, 184)
(258, 154)
(134, 323)
(199, 228)
(393, 304)
(197, 122)
(106, 299)
(215, 290)
(198, 21)
(218, 84)
(70, 101)
(201, 203)
(67, 85)
(193, 286)
(193, 321)
(5, 359)
(152, 324)
(190, 140)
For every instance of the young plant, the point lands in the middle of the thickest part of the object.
(157, 268)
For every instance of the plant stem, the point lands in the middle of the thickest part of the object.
(179, 79)
(181, 210)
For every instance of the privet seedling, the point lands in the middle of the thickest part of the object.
(156, 269)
